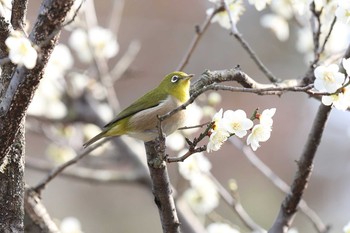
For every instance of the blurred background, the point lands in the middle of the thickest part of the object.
(163, 30)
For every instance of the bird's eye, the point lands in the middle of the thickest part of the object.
(174, 79)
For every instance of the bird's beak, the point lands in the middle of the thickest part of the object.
(189, 76)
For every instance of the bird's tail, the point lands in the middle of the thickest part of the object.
(95, 139)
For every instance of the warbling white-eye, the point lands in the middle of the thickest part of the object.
(140, 119)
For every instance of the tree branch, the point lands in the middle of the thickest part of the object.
(161, 187)
(18, 16)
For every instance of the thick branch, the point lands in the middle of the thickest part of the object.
(18, 16)
(305, 165)
(161, 187)
(12, 186)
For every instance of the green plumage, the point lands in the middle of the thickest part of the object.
(139, 120)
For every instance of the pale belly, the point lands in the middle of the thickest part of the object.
(143, 125)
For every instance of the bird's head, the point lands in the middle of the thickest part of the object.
(177, 84)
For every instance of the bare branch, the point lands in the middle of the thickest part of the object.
(248, 49)
(162, 190)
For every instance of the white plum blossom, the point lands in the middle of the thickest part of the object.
(202, 197)
(216, 139)
(222, 18)
(218, 135)
(260, 133)
(328, 78)
(260, 4)
(277, 24)
(266, 116)
(97, 41)
(194, 165)
(236, 122)
(221, 228)
(21, 51)
(340, 101)
(343, 11)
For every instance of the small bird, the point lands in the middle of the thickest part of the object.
(140, 119)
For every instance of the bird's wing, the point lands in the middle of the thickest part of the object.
(145, 102)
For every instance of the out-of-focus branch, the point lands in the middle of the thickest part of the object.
(91, 174)
(279, 183)
(305, 165)
(237, 206)
(40, 186)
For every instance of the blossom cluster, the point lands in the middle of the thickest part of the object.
(330, 80)
(229, 123)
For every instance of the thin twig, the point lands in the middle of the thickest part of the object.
(90, 174)
(55, 172)
(193, 146)
(199, 33)
(246, 46)
(237, 207)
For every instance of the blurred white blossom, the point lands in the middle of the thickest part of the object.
(97, 41)
(214, 98)
(60, 154)
(346, 228)
(70, 225)
(222, 18)
(176, 141)
(195, 114)
(221, 228)
(21, 51)
(202, 197)
(60, 61)
(328, 78)
(277, 24)
(5, 8)
(194, 165)
(260, 4)
(47, 100)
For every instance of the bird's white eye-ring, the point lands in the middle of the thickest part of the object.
(174, 79)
